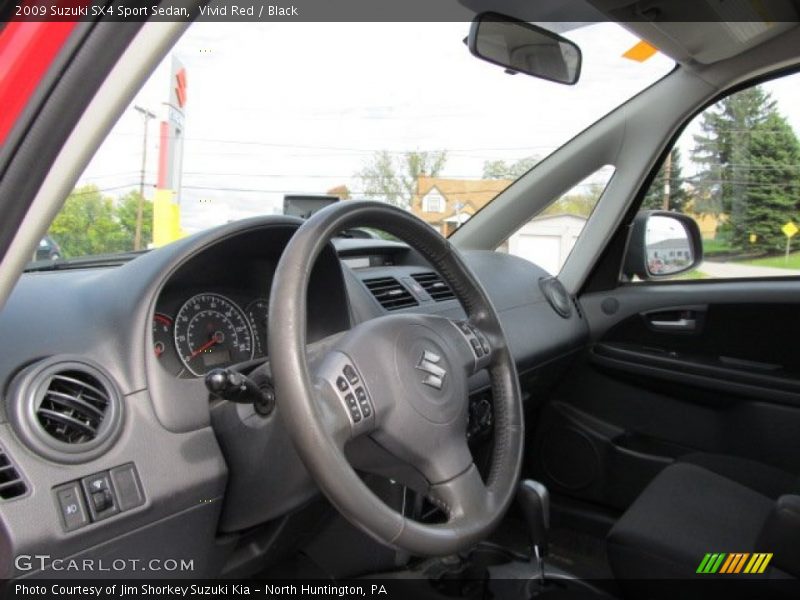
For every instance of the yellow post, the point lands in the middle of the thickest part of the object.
(166, 218)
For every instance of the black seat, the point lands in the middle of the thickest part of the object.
(764, 479)
(702, 504)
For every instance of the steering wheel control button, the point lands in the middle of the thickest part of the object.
(352, 406)
(349, 386)
(350, 374)
(476, 346)
(71, 506)
(98, 490)
(363, 402)
(127, 485)
(480, 345)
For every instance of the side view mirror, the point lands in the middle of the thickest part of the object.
(524, 48)
(662, 244)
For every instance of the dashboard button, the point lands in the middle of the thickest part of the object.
(71, 507)
(102, 502)
(341, 383)
(126, 484)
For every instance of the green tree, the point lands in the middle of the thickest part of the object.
(125, 212)
(579, 203)
(499, 169)
(86, 224)
(393, 178)
(90, 223)
(772, 189)
(749, 156)
(678, 197)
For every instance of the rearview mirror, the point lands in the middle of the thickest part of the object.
(524, 48)
(662, 244)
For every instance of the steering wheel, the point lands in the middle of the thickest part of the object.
(401, 380)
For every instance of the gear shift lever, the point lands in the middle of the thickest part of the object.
(534, 499)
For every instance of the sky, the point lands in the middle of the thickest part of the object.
(277, 108)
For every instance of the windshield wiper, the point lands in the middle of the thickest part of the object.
(83, 262)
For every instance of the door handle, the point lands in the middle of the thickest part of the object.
(684, 319)
(676, 325)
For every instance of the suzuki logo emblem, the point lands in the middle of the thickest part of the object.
(429, 364)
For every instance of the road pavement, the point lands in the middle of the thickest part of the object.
(728, 270)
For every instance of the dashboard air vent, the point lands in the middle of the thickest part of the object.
(11, 482)
(66, 409)
(434, 285)
(390, 293)
(73, 407)
(557, 295)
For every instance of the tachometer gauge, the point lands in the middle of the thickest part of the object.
(258, 313)
(162, 334)
(212, 331)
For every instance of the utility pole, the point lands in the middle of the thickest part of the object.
(137, 240)
(667, 179)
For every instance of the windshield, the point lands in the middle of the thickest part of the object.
(252, 119)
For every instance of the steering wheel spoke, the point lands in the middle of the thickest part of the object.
(463, 498)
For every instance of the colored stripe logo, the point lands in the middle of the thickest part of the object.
(734, 563)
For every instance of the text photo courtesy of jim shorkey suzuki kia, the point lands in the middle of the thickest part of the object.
(162, 590)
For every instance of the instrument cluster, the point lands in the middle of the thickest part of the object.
(209, 330)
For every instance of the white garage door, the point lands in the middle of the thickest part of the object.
(544, 250)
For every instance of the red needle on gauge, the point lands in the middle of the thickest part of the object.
(203, 348)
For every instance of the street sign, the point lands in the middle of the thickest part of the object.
(789, 230)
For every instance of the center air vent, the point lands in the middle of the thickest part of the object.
(434, 285)
(390, 293)
(66, 410)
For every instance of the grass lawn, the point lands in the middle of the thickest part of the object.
(777, 261)
(692, 275)
(716, 246)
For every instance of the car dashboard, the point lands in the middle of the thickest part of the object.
(129, 346)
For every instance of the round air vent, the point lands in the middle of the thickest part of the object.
(66, 410)
(557, 296)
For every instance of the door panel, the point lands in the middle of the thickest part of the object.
(674, 369)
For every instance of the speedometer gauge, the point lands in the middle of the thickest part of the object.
(212, 331)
